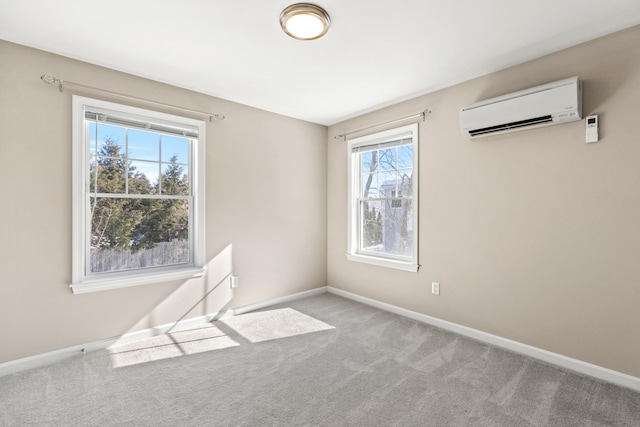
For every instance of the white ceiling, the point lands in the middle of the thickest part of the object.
(377, 52)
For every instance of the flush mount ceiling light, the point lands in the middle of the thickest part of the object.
(304, 21)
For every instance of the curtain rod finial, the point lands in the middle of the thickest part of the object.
(49, 79)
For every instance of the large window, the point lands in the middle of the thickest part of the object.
(383, 193)
(138, 205)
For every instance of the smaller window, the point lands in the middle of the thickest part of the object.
(383, 194)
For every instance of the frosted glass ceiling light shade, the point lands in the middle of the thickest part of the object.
(304, 21)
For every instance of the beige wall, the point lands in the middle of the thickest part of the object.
(265, 196)
(534, 236)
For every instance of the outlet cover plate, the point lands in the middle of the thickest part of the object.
(435, 288)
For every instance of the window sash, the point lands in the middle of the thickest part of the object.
(126, 265)
(94, 158)
(361, 248)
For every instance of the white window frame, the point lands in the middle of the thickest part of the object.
(354, 173)
(82, 280)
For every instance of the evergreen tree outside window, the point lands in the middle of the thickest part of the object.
(138, 204)
(383, 194)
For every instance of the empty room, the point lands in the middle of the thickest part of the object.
(409, 213)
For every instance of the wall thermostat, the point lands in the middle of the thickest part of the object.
(592, 129)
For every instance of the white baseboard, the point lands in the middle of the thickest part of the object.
(44, 359)
(281, 300)
(575, 365)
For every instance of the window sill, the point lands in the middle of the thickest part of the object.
(95, 285)
(384, 262)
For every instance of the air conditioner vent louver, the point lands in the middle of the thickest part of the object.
(549, 104)
(513, 125)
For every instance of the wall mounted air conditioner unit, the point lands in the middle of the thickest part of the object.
(549, 104)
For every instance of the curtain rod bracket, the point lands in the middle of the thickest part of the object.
(49, 79)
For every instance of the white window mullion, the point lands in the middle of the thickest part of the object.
(86, 200)
(140, 196)
(125, 156)
(95, 159)
(160, 164)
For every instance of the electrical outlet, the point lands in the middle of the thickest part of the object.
(435, 288)
(234, 282)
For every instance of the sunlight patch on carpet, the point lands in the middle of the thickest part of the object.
(255, 327)
(273, 324)
(173, 344)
